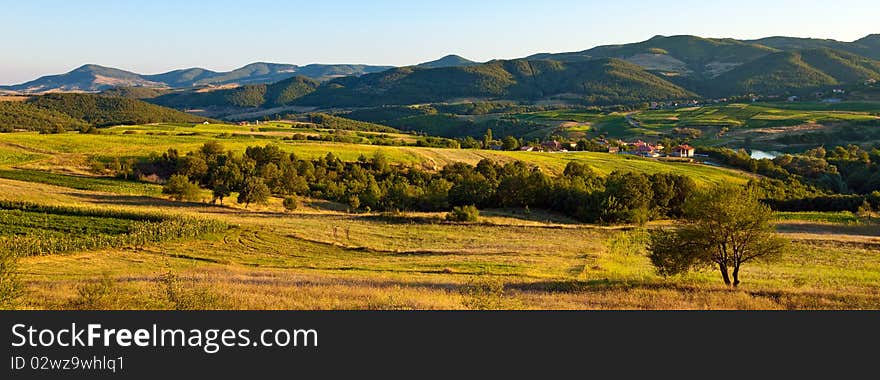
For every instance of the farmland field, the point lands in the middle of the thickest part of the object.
(727, 124)
(320, 256)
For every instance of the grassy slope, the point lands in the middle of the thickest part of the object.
(318, 258)
(116, 144)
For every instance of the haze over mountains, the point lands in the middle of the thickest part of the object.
(661, 68)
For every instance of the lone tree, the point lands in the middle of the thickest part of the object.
(725, 227)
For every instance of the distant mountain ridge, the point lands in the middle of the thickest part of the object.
(658, 69)
(94, 78)
(600, 81)
(868, 46)
(451, 60)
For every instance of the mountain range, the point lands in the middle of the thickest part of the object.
(661, 68)
(658, 69)
(93, 78)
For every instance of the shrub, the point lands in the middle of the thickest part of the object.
(93, 295)
(10, 287)
(181, 189)
(463, 214)
(485, 293)
(290, 203)
(182, 297)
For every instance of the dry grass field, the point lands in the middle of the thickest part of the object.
(323, 257)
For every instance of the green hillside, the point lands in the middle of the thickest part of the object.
(790, 72)
(451, 60)
(22, 115)
(602, 81)
(135, 92)
(104, 111)
(682, 55)
(868, 46)
(256, 95)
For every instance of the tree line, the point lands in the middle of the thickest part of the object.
(374, 184)
(843, 178)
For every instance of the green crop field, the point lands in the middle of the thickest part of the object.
(94, 242)
(748, 116)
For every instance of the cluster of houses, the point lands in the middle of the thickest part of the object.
(637, 148)
(674, 104)
(644, 149)
(247, 123)
(550, 146)
(834, 97)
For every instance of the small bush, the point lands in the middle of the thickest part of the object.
(486, 293)
(464, 214)
(10, 287)
(182, 297)
(92, 295)
(181, 189)
(290, 203)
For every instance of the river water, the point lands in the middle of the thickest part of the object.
(760, 154)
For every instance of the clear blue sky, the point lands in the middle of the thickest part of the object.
(52, 36)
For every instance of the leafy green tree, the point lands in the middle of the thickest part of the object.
(224, 179)
(179, 188)
(487, 139)
(633, 193)
(726, 227)
(472, 188)
(254, 190)
(510, 143)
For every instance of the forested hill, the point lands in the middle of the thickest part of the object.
(793, 71)
(71, 111)
(603, 81)
(258, 95)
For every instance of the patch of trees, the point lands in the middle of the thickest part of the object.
(437, 120)
(22, 115)
(336, 122)
(373, 184)
(839, 179)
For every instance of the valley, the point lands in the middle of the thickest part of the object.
(543, 182)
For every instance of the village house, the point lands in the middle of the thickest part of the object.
(684, 151)
(641, 148)
(552, 145)
(527, 148)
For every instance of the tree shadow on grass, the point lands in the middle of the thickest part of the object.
(146, 201)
